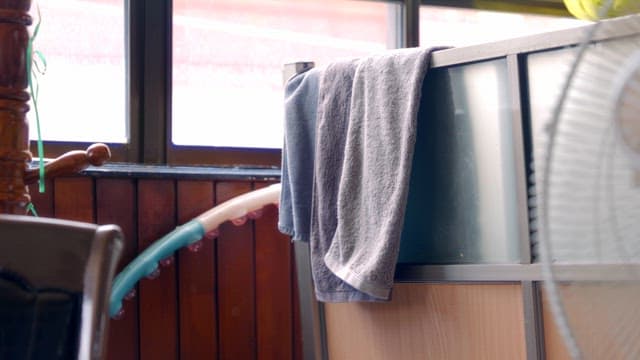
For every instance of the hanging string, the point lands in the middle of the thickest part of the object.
(35, 65)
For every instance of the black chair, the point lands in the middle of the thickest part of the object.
(55, 281)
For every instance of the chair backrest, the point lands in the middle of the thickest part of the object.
(55, 280)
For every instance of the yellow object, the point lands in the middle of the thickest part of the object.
(591, 9)
(576, 9)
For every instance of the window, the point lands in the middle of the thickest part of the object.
(82, 93)
(228, 57)
(200, 81)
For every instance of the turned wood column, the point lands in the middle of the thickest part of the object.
(14, 131)
(15, 156)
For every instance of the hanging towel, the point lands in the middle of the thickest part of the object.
(377, 166)
(334, 100)
(301, 101)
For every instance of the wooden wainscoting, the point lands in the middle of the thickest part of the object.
(234, 299)
(237, 297)
(431, 321)
(603, 317)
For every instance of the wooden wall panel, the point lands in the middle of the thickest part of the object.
(237, 298)
(158, 297)
(197, 278)
(274, 326)
(603, 317)
(553, 342)
(116, 204)
(43, 202)
(74, 199)
(431, 321)
(236, 282)
(234, 299)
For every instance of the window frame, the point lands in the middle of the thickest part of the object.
(148, 64)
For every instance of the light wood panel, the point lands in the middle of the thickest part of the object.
(431, 321)
(603, 317)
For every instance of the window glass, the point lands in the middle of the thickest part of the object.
(82, 93)
(228, 57)
(469, 213)
(448, 26)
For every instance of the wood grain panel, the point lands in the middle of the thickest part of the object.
(273, 287)
(603, 318)
(116, 204)
(43, 202)
(554, 346)
(235, 299)
(74, 199)
(431, 321)
(236, 282)
(158, 297)
(197, 278)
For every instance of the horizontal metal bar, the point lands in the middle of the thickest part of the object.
(292, 69)
(515, 272)
(610, 29)
(181, 172)
(475, 272)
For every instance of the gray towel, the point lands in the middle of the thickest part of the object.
(334, 100)
(377, 166)
(301, 101)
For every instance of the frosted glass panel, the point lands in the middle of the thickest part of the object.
(462, 204)
(593, 188)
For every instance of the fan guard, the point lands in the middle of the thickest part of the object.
(588, 223)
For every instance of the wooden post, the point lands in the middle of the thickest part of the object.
(14, 131)
(15, 156)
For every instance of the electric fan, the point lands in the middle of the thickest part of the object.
(587, 171)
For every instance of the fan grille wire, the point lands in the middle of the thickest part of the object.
(589, 206)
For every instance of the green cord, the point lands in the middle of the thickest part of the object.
(34, 96)
(31, 208)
